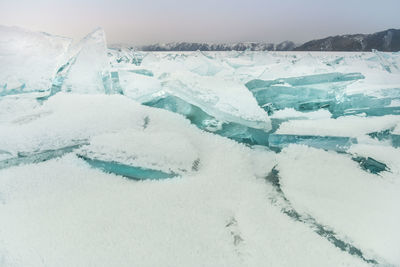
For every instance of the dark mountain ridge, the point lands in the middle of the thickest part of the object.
(388, 41)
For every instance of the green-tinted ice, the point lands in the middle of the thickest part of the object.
(128, 171)
(336, 143)
(204, 121)
(304, 93)
(39, 156)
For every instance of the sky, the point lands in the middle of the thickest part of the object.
(219, 21)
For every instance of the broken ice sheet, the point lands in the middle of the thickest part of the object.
(142, 72)
(223, 99)
(141, 88)
(387, 135)
(387, 62)
(36, 156)
(337, 192)
(296, 92)
(336, 143)
(206, 102)
(141, 155)
(29, 60)
(346, 126)
(4, 155)
(204, 121)
(67, 117)
(278, 198)
(86, 68)
(388, 157)
(201, 64)
(367, 104)
(124, 56)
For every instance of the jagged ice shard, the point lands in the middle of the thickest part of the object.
(243, 157)
(87, 67)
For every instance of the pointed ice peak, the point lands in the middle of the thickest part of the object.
(87, 67)
(97, 35)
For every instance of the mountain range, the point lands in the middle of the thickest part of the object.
(388, 40)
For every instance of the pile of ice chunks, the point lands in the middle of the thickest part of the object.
(124, 55)
(202, 87)
(206, 122)
(321, 120)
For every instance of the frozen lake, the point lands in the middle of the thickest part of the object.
(116, 157)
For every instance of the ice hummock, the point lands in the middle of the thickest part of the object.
(328, 151)
(205, 101)
(124, 56)
(86, 68)
(221, 98)
(29, 60)
(236, 131)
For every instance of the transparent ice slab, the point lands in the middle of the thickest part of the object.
(120, 55)
(143, 72)
(386, 61)
(305, 93)
(116, 85)
(335, 143)
(87, 67)
(315, 79)
(365, 104)
(38, 156)
(224, 99)
(128, 171)
(204, 121)
(29, 60)
(202, 64)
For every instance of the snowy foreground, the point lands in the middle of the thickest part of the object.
(112, 157)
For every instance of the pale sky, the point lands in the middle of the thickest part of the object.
(143, 22)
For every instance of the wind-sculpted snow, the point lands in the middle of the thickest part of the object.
(109, 155)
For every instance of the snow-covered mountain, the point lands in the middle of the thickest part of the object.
(252, 46)
(388, 40)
